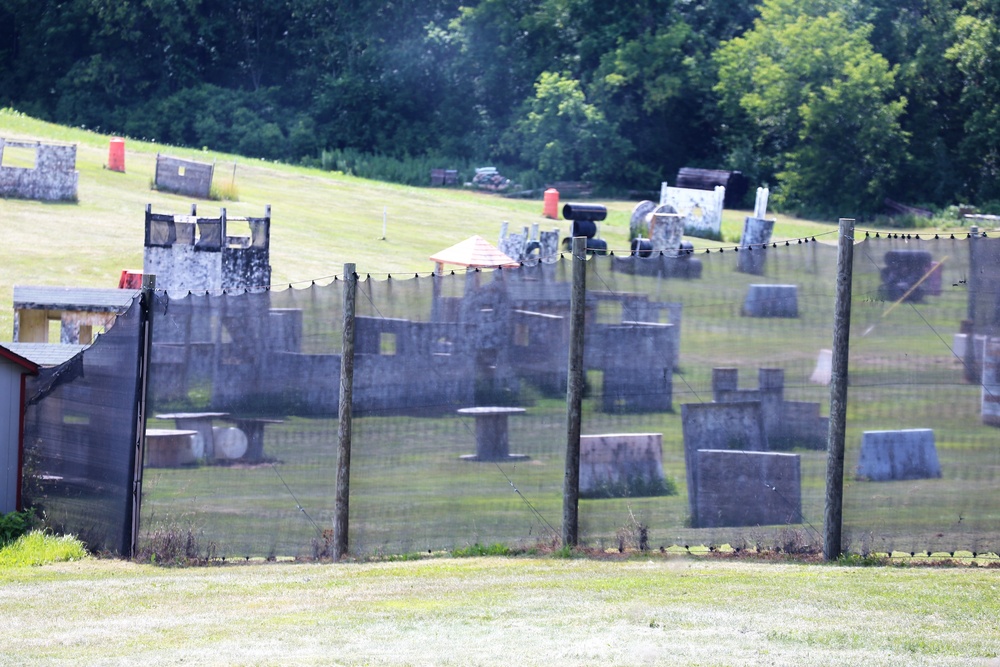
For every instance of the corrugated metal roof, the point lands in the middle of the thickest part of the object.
(92, 299)
(45, 354)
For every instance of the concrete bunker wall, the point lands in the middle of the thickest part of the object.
(53, 178)
(184, 177)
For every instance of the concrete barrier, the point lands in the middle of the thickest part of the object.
(726, 426)
(740, 488)
(621, 465)
(896, 455)
(772, 301)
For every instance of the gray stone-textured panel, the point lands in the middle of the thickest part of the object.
(185, 177)
(53, 178)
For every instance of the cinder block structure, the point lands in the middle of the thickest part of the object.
(52, 178)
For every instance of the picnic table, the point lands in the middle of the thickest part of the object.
(492, 442)
(253, 428)
(201, 423)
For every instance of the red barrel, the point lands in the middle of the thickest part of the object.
(116, 155)
(551, 208)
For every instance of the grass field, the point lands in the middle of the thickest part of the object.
(487, 611)
(320, 220)
(639, 610)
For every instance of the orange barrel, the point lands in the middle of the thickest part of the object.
(551, 208)
(116, 155)
(130, 280)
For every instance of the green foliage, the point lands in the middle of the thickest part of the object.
(477, 549)
(821, 106)
(834, 105)
(174, 545)
(414, 171)
(40, 548)
(565, 551)
(15, 524)
(863, 560)
(977, 32)
(563, 136)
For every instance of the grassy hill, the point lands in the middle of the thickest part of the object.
(320, 220)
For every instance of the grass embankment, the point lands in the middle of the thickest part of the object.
(320, 220)
(486, 611)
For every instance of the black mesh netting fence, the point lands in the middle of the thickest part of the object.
(80, 428)
(704, 417)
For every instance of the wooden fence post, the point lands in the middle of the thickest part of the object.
(132, 512)
(834, 515)
(574, 394)
(342, 507)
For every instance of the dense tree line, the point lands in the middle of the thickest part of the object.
(835, 104)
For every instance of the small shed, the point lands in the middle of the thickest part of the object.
(14, 370)
(81, 311)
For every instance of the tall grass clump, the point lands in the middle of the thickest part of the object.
(40, 548)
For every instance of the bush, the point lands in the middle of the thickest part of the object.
(14, 525)
(482, 550)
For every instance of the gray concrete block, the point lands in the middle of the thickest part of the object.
(752, 257)
(621, 464)
(772, 301)
(726, 426)
(740, 488)
(895, 455)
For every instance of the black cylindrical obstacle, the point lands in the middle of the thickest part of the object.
(642, 247)
(586, 228)
(584, 212)
(597, 247)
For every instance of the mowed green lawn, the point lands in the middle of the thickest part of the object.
(499, 611)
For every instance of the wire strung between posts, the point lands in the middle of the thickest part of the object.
(526, 501)
(298, 505)
(760, 475)
(471, 432)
